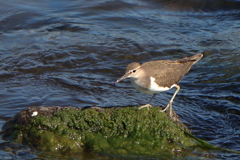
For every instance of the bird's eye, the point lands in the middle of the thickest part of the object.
(134, 70)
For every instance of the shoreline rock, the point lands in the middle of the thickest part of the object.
(123, 131)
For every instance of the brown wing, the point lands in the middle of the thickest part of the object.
(169, 72)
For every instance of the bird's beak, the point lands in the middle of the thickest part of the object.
(123, 77)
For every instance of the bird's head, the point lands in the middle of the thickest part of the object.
(132, 71)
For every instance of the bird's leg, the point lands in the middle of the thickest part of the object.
(148, 105)
(171, 101)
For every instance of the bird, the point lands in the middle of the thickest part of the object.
(158, 76)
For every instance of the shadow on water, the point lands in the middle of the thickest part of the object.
(71, 52)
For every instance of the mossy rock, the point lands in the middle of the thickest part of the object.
(123, 131)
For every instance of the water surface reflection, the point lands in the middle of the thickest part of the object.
(71, 52)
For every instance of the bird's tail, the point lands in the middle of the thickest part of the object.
(196, 58)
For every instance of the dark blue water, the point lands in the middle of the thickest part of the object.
(60, 53)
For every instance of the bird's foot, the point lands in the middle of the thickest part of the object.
(165, 108)
(168, 106)
(144, 106)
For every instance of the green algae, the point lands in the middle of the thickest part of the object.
(123, 131)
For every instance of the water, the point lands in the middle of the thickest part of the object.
(60, 53)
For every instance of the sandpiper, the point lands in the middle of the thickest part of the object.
(158, 76)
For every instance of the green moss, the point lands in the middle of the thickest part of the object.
(124, 131)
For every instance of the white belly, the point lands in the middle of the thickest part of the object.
(154, 87)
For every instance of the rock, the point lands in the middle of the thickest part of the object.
(123, 131)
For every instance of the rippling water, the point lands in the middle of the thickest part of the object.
(71, 52)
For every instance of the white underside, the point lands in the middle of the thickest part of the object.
(154, 87)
